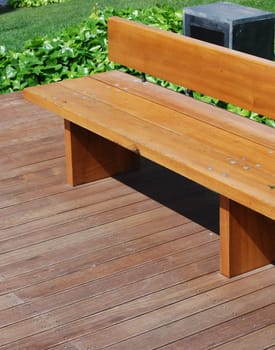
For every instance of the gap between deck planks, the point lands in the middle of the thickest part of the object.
(125, 263)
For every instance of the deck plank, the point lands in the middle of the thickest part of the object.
(232, 329)
(265, 335)
(182, 318)
(123, 263)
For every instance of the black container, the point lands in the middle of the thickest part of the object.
(230, 25)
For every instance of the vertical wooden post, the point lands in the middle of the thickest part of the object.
(247, 239)
(90, 157)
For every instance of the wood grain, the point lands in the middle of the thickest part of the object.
(90, 157)
(247, 239)
(244, 80)
(233, 328)
(229, 164)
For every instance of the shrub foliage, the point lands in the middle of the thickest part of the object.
(32, 3)
(75, 52)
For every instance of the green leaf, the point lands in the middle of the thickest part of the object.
(3, 50)
(10, 72)
(270, 122)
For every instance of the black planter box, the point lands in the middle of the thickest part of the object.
(238, 27)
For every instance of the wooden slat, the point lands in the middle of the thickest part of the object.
(156, 99)
(100, 198)
(181, 124)
(61, 247)
(204, 112)
(153, 135)
(41, 208)
(231, 76)
(99, 264)
(63, 227)
(135, 280)
(172, 269)
(52, 336)
(155, 328)
(265, 336)
(233, 328)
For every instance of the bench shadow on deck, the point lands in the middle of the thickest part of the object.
(124, 263)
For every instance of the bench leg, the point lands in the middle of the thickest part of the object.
(90, 157)
(247, 239)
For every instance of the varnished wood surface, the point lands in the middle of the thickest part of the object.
(122, 263)
(231, 76)
(90, 157)
(247, 239)
(236, 164)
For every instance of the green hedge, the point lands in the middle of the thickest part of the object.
(32, 3)
(78, 51)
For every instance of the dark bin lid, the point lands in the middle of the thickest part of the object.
(228, 12)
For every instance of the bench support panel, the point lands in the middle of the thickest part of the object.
(90, 157)
(247, 239)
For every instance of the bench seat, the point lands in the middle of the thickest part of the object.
(159, 125)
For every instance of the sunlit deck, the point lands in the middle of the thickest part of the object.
(122, 263)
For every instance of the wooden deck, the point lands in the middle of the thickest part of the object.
(123, 263)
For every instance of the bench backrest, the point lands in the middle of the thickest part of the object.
(231, 76)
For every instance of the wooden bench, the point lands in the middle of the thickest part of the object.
(113, 118)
